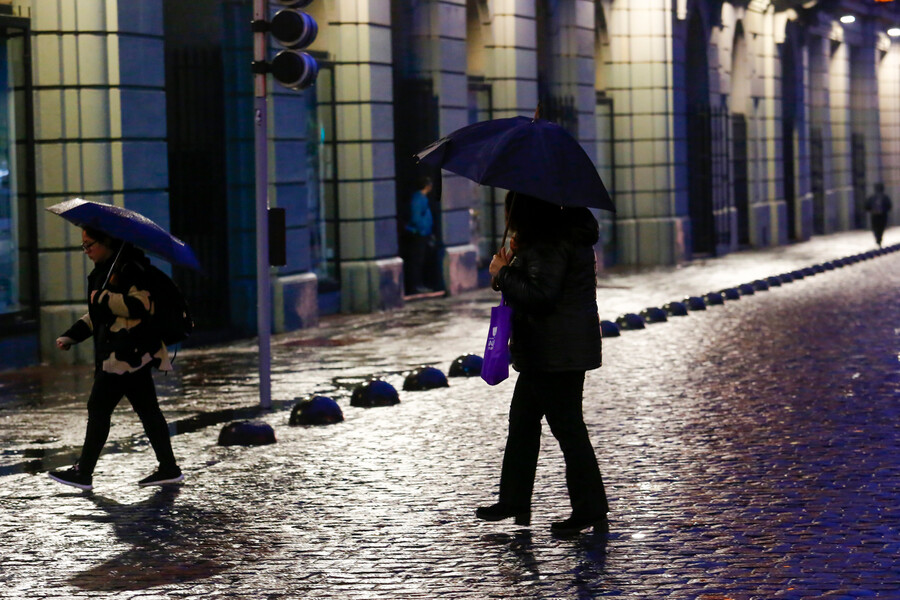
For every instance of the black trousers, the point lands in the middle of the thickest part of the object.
(558, 397)
(416, 258)
(106, 393)
(879, 222)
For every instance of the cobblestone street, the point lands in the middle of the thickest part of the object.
(750, 451)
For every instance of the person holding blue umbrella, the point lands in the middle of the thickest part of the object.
(127, 346)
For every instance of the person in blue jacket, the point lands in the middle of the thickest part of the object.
(419, 238)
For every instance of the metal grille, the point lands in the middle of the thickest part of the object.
(740, 177)
(197, 177)
(817, 178)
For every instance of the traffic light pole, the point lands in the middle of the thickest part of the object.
(263, 285)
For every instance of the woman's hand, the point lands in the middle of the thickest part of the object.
(500, 260)
(64, 343)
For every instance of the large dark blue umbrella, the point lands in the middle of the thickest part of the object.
(530, 156)
(128, 226)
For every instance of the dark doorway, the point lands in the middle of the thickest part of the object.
(858, 158)
(817, 178)
(740, 179)
(789, 110)
(416, 126)
(322, 187)
(699, 141)
(487, 214)
(195, 108)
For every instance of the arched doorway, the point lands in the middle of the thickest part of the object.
(699, 139)
(416, 120)
(791, 102)
(740, 96)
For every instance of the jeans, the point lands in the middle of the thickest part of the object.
(557, 396)
(108, 390)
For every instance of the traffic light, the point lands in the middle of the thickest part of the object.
(295, 30)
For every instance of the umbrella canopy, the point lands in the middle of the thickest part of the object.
(128, 226)
(530, 156)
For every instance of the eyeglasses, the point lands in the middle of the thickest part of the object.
(87, 245)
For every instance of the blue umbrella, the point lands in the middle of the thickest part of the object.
(128, 226)
(530, 156)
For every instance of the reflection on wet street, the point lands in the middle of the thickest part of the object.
(750, 451)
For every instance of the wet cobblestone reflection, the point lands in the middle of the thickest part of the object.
(750, 452)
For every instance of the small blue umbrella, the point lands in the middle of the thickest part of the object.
(529, 156)
(128, 226)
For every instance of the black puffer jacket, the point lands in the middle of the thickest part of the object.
(551, 287)
(118, 317)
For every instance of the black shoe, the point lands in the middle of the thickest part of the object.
(72, 476)
(498, 512)
(576, 524)
(163, 477)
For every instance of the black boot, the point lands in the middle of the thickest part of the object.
(578, 523)
(499, 511)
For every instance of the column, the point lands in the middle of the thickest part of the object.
(650, 140)
(371, 271)
(100, 134)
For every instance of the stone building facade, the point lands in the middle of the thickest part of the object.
(715, 124)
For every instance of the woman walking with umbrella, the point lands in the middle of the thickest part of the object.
(127, 345)
(548, 278)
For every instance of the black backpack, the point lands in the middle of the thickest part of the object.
(171, 315)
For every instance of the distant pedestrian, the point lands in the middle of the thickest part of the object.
(878, 206)
(126, 348)
(549, 280)
(419, 237)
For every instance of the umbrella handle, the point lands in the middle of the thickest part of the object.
(113, 266)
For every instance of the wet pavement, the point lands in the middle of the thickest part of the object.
(750, 451)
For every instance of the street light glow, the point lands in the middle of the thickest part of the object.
(894, 32)
(848, 19)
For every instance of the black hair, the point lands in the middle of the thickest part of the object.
(533, 220)
(105, 239)
(423, 181)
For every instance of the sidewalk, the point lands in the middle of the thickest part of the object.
(716, 492)
(349, 349)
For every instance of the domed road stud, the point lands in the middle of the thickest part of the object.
(375, 392)
(695, 303)
(676, 309)
(654, 314)
(424, 378)
(468, 365)
(247, 433)
(318, 410)
(609, 329)
(630, 321)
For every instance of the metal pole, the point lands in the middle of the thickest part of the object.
(263, 291)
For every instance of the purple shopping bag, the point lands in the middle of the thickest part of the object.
(496, 351)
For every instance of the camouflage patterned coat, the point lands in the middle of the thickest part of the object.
(118, 317)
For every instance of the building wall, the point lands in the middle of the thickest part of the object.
(100, 128)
